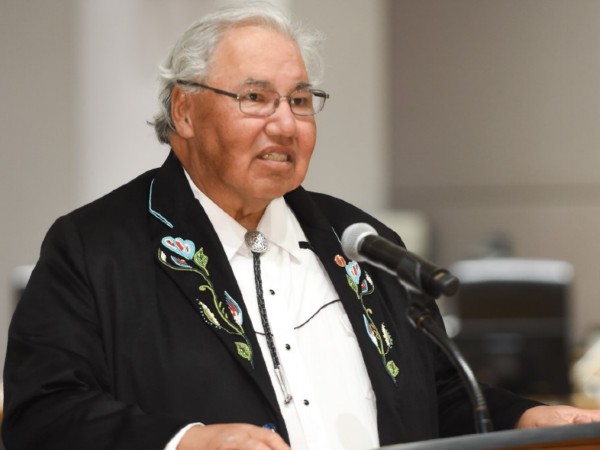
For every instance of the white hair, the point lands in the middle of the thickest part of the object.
(190, 58)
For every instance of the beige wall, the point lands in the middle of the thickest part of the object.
(495, 129)
(37, 138)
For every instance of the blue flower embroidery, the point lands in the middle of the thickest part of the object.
(230, 318)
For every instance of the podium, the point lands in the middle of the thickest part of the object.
(568, 437)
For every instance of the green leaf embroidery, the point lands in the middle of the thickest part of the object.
(353, 285)
(244, 350)
(392, 369)
(201, 259)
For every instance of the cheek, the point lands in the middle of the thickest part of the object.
(230, 145)
(308, 139)
(241, 136)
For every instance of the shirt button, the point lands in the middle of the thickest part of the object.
(306, 402)
(288, 346)
(271, 291)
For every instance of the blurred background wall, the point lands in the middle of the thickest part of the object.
(495, 130)
(480, 114)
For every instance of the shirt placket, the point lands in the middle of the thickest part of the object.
(280, 299)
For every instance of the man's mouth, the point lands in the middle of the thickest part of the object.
(280, 157)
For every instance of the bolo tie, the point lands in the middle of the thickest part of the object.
(258, 244)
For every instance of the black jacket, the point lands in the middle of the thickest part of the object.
(126, 331)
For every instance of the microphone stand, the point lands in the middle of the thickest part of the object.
(421, 318)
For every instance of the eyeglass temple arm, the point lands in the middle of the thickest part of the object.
(200, 85)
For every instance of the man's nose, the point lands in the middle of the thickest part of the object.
(283, 121)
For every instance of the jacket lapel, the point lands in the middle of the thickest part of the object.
(362, 301)
(189, 251)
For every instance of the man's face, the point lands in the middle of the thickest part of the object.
(243, 162)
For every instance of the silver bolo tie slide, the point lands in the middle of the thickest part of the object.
(258, 244)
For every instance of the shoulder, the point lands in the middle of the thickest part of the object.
(119, 203)
(341, 214)
(117, 216)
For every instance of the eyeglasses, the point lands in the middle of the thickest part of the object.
(264, 102)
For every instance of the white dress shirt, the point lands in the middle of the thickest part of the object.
(333, 403)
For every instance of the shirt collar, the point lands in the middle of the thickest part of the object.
(278, 224)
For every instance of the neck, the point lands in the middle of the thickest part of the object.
(246, 213)
(248, 221)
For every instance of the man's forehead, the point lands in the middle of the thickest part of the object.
(258, 57)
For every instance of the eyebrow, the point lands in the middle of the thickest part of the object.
(268, 84)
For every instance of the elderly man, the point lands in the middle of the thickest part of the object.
(208, 304)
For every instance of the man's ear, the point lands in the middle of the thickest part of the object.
(181, 108)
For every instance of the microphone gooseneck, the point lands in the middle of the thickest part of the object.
(421, 318)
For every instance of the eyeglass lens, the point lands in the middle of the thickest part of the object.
(265, 102)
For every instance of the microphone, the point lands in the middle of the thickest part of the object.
(361, 242)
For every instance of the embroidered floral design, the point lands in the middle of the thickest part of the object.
(362, 285)
(392, 369)
(235, 309)
(340, 261)
(228, 315)
(182, 247)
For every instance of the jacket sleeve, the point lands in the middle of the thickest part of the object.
(58, 387)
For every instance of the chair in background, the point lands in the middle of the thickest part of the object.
(513, 323)
(20, 277)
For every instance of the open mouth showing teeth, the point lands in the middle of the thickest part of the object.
(275, 157)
